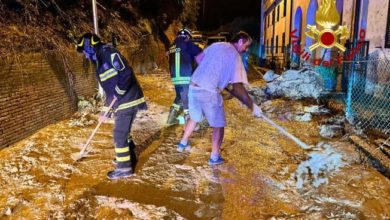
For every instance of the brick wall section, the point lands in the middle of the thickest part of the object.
(37, 90)
(85, 83)
(42, 88)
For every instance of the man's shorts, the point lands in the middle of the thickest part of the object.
(207, 104)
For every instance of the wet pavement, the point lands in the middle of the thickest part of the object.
(266, 176)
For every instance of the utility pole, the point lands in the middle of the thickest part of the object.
(95, 17)
(96, 30)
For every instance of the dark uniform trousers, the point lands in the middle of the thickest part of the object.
(124, 146)
(181, 99)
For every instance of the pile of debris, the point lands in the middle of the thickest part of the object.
(258, 95)
(87, 109)
(333, 127)
(298, 84)
(294, 84)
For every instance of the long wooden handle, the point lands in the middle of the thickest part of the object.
(286, 133)
(96, 128)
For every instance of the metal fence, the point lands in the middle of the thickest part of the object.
(368, 95)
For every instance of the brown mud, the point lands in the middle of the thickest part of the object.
(266, 175)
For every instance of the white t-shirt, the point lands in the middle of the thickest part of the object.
(221, 65)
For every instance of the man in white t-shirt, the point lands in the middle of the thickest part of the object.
(221, 64)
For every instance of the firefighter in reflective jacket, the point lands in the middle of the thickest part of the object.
(120, 84)
(182, 54)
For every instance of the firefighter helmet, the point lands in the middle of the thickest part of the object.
(184, 32)
(88, 41)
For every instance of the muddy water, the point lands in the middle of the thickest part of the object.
(265, 176)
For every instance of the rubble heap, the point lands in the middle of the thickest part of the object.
(294, 84)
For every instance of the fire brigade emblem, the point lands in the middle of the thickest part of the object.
(325, 33)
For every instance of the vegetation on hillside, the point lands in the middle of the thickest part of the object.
(36, 25)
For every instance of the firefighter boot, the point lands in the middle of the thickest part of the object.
(172, 116)
(186, 115)
(120, 173)
(133, 156)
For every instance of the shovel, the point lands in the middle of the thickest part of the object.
(284, 132)
(83, 152)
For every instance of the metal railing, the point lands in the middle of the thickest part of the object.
(277, 57)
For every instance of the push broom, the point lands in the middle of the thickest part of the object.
(83, 152)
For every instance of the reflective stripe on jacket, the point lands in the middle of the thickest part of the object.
(181, 60)
(117, 78)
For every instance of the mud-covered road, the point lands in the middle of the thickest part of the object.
(266, 176)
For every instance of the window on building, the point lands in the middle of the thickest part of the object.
(277, 43)
(273, 17)
(272, 46)
(283, 42)
(284, 8)
(267, 46)
(277, 14)
(387, 39)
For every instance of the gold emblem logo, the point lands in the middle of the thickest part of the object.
(325, 32)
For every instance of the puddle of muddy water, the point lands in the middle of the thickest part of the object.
(321, 163)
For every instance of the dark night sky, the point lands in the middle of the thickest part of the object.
(221, 12)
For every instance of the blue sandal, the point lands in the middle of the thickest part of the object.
(182, 147)
(218, 161)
